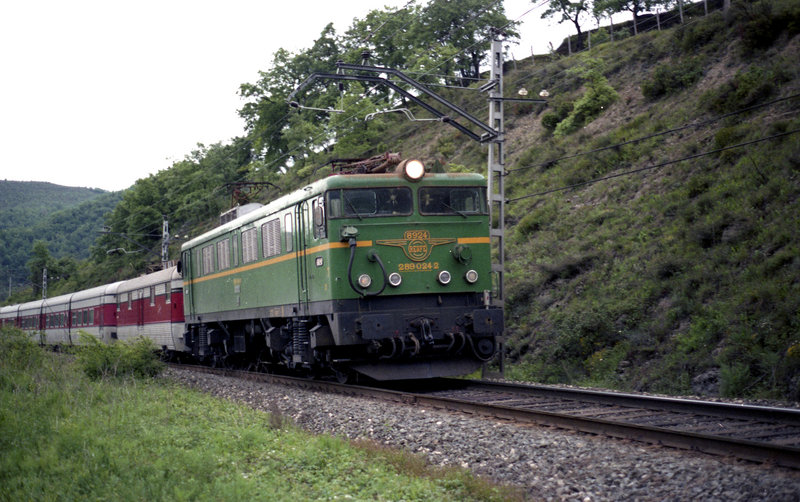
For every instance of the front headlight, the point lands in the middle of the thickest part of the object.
(471, 276)
(444, 277)
(413, 169)
(364, 281)
(395, 279)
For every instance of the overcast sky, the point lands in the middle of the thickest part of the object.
(100, 93)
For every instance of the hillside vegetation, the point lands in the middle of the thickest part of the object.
(683, 278)
(653, 202)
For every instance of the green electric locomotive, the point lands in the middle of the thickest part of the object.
(382, 270)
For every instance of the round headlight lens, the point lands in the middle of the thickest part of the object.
(444, 277)
(414, 170)
(364, 280)
(395, 279)
(471, 276)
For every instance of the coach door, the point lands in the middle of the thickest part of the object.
(187, 273)
(300, 245)
(140, 310)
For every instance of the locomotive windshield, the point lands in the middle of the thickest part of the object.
(452, 200)
(369, 202)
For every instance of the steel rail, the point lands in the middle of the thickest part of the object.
(787, 416)
(786, 456)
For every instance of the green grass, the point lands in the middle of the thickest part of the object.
(65, 436)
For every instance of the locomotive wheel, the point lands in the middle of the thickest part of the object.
(485, 347)
(343, 376)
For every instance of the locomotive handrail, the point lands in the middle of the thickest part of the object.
(373, 257)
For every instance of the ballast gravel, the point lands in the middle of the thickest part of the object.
(547, 463)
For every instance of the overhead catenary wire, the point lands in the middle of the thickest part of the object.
(651, 167)
(650, 136)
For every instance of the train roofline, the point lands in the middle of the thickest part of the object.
(167, 275)
(334, 181)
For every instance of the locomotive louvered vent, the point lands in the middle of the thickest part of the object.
(232, 214)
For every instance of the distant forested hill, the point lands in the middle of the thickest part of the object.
(27, 201)
(67, 218)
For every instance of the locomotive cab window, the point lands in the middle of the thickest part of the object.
(318, 212)
(369, 202)
(452, 200)
(287, 226)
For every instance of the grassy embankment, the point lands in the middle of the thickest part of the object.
(669, 272)
(116, 436)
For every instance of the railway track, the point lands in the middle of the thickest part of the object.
(754, 433)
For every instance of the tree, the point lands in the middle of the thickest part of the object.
(446, 37)
(467, 25)
(267, 115)
(570, 11)
(634, 6)
(391, 37)
(40, 259)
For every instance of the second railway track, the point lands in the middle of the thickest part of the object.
(755, 433)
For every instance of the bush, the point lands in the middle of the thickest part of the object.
(762, 23)
(561, 109)
(671, 78)
(691, 36)
(137, 358)
(598, 95)
(734, 379)
(746, 88)
(18, 350)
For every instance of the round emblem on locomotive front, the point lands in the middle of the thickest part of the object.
(417, 250)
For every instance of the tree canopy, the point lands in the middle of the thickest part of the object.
(442, 43)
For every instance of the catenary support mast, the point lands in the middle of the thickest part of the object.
(496, 188)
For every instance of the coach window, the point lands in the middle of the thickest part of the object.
(223, 255)
(208, 259)
(249, 245)
(271, 238)
(318, 210)
(198, 262)
(130, 300)
(167, 293)
(91, 317)
(152, 296)
(235, 255)
(287, 226)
